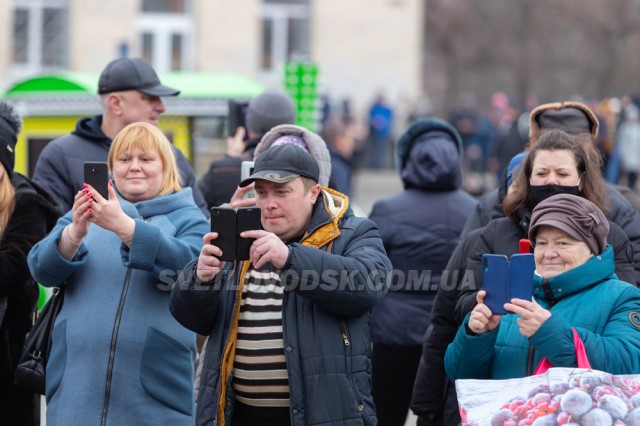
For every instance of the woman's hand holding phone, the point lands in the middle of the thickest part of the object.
(532, 315)
(209, 263)
(108, 214)
(80, 213)
(482, 319)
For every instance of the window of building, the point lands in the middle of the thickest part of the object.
(147, 47)
(21, 36)
(164, 6)
(165, 28)
(40, 34)
(285, 33)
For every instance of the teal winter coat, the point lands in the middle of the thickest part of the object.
(604, 310)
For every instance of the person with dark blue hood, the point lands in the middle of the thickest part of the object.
(420, 228)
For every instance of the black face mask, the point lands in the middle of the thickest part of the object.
(540, 193)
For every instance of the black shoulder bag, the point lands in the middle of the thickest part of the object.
(30, 373)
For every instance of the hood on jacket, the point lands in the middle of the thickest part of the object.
(424, 125)
(89, 128)
(33, 192)
(432, 157)
(327, 212)
(316, 145)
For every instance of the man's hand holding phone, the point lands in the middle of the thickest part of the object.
(267, 247)
(209, 263)
(236, 144)
(229, 224)
(238, 200)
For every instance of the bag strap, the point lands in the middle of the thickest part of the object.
(581, 356)
(581, 352)
(48, 316)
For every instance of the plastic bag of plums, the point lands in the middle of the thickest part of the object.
(561, 396)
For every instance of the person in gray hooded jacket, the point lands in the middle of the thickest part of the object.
(420, 228)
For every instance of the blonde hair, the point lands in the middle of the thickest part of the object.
(7, 201)
(148, 138)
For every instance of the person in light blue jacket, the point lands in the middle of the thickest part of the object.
(574, 287)
(118, 357)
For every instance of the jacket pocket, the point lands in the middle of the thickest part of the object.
(348, 354)
(166, 371)
(56, 363)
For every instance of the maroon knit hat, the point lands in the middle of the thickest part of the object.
(576, 216)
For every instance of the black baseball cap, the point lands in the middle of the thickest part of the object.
(283, 163)
(132, 74)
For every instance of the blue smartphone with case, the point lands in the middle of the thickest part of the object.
(495, 281)
(504, 279)
(521, 269)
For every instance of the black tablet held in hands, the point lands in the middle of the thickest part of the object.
(229, 223)
(223, 221)
(247, 219)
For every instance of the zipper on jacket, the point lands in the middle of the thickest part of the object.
(112, 349)
(348, 368)
(345, 337)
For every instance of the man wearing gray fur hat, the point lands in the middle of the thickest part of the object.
(267, 110)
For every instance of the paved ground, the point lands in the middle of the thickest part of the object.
(371, 185)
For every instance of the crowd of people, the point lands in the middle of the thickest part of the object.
(334, 318)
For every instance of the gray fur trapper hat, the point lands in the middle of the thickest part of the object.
(570, 117)
(316, 146)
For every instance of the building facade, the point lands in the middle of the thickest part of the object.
(361, 47)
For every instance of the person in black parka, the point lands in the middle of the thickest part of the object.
(434, 398)
(27, 214)
(420, 228)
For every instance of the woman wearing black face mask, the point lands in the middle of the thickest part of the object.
(556, 164)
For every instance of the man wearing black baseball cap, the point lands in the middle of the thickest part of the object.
(283, 325)
(130, 91)
(125, 74)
